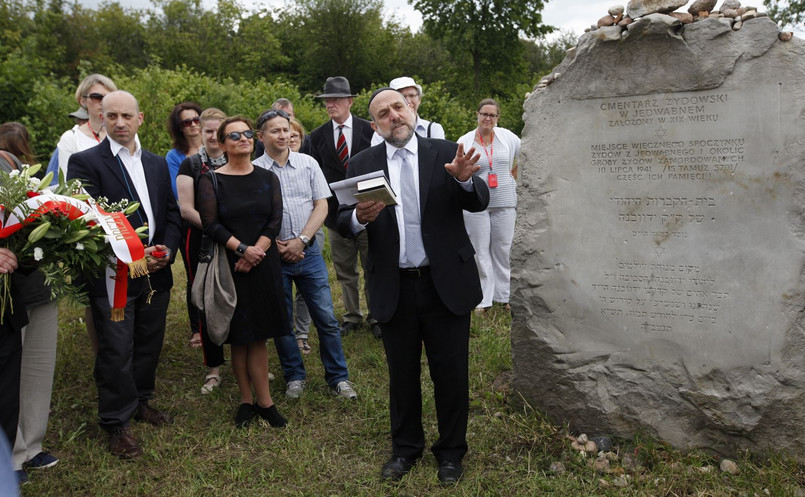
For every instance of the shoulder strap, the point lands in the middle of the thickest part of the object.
(429, 126)
(11, 159)
(214, 180)
(195, 165)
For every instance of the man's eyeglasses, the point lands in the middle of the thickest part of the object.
(271, 114)
(186, 123)
(488, 116)
(235, 135)
(97, 97)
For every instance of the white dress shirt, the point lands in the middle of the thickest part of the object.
(134, 166)
(347, 130)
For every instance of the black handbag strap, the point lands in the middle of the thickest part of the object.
(205, 251)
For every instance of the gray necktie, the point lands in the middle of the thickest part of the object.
(414, 249)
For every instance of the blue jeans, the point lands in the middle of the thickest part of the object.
(310, 277)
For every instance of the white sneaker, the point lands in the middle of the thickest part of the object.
(344, 389)
(270, 377)
(294, 389)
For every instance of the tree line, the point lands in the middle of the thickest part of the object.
(241, 60)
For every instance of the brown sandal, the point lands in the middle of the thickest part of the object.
(304, 347)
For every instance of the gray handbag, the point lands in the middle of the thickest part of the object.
(213, 289)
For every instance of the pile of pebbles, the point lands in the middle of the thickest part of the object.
(701, 9)
(622, 17)
(621, 468)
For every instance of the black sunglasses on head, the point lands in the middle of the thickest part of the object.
(271, 114)
(235, 135)
(95, 96)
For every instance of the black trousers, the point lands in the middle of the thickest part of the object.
(191, 244)
(128, 354)
(421, 318)
(10, 362)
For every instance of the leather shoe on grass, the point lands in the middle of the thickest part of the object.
(152, 416)
(122, 443)
(377, 332)
(395, 468)
(348, 328)
(449, 472)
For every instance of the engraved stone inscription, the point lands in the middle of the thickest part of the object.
(670, 184)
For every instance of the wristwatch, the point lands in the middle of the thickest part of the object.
(241, 249)
(305, 240)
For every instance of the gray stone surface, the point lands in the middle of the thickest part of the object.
(639, 8)
(659, 258)
(701, 6)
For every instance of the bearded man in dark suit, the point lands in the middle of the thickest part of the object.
(422, 278)
(128, 350)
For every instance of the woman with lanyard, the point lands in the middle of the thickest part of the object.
(491, 231)
(89, 95)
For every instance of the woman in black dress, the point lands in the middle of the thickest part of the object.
(245, 215)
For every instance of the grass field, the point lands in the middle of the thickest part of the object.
(334, 447)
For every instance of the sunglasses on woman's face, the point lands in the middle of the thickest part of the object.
(186, 123)
(235, 135)
(97, 97)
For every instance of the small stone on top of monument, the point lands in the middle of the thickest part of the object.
(701, 6)
(683, 16)
(730, 5)
(616, 11)
(607, 20)
(640, 8)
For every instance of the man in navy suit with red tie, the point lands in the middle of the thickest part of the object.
(422, 278)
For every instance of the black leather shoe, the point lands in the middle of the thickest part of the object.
(376, 331)
(395, 468)
(348, 328)
(450, 472)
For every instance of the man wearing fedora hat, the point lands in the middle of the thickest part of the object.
(412, 92)
(332, 145)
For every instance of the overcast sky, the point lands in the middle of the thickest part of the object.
(567, 15)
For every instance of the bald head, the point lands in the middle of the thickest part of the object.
(122, 118)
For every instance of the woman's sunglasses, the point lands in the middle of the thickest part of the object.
(235, 135)
(97, 97)
(186, 123)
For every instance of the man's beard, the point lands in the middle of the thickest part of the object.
(396, 140)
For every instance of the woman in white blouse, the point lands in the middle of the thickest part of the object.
(491, 231)
(89, 95)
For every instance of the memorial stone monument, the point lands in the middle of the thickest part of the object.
(659, 256)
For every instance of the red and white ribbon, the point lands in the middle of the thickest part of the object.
(129, 251)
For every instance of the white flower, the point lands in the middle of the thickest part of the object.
(79, 246)
(15, 172)
(38, 253)
(34, 182)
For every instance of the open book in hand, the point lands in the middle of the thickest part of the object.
(363, 188)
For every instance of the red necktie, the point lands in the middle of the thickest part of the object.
(341, 147)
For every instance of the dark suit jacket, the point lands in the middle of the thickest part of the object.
(447, 245)
(322, 148)
(102, 174)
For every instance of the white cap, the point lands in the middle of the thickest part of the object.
(405, 82)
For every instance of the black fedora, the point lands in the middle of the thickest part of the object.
(335, 87)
